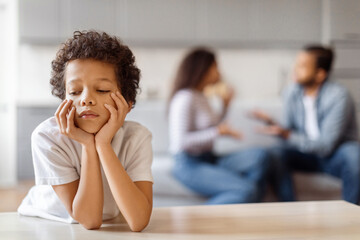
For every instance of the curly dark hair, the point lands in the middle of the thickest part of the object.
(99, 46)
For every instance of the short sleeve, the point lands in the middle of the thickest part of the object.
(138, 167)
(52, 159)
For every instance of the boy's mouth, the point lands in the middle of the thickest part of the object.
(88, 115)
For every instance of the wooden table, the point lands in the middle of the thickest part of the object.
(297, 220)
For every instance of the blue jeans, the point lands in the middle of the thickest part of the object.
(234, 178)
(344, 163)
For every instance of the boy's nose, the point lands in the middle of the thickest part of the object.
(88, 100)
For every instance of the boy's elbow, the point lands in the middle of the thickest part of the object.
(91, 225)
(138, 226)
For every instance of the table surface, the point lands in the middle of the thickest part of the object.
(296, 220)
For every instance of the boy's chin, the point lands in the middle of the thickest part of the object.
(90, 129)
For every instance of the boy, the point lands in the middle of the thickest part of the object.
(320, 128)
(89, 163)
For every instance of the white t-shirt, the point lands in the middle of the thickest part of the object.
(57, 159)
(311, 122)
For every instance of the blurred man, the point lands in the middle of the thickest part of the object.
(319, 129)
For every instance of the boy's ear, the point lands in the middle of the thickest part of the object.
(130, 106)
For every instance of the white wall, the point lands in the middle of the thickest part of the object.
(255, 74)
(8, 76)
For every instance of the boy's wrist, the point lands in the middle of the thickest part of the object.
(101, 145)
(88, 144)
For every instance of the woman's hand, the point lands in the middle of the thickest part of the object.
(228, 96)
(225, 129)
(262, 116)
(64, 116)
(116, 120)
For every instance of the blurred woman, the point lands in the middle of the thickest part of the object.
(194, 126)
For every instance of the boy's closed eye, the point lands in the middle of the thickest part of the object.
(103, 91)
(74, 93)
(78, 92)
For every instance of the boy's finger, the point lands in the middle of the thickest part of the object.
(111, 109)
(118, 94)
(117, 101)
(58, 110)
(70, 120)
(62, 115)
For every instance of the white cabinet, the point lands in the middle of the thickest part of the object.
(88, 14)
(161, 21)
(288, 20)
(177, 22)
(39, 20)
(264, 21)
(53, 21)
(229, 20)
(344, 20)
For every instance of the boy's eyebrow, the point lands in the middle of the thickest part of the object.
(104, 79)
(74, 80)
(100, 79)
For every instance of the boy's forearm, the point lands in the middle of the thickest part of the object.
(131, 201)
(89, 199)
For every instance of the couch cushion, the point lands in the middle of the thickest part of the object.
(164, 182)
(169, 192)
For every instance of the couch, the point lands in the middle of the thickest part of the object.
(169, 192)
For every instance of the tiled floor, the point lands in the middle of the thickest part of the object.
(10, 198)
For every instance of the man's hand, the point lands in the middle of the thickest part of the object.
(262, 116)
(226, 130)
(64, 116)
(275, 130)
(116, 120)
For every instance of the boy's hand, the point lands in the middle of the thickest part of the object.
(64, 116)
(116, 120)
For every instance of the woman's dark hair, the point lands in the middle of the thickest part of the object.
(324, 56)
(102, 47)
(192, 69)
